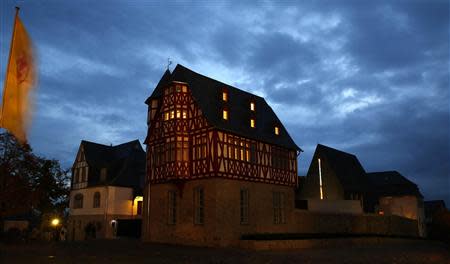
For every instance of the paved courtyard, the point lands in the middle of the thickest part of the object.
(132, 251)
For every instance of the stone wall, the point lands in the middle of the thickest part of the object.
(307, 222)
(222, 226)
(344, 243)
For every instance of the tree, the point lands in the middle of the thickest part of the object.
(29, 183)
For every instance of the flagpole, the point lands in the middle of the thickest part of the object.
(5, 140)
(8, 63)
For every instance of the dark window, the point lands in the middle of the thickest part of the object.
(199, 203)
(278, 208)
(78, 201)
(139, 208)
(172, 206)
(244, 202)
(96, 200)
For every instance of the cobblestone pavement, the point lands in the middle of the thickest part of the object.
(132, 251)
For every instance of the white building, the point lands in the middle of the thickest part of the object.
(106, 189)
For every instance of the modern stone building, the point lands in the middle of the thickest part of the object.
(219, 163)
(392, 194)
(336, 182)
(106, 187)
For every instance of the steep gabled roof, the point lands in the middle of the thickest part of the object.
(207, 94)
(392, 183)
(125, 163)
(347, 168)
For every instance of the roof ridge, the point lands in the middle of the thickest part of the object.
(129, 142)
(380, 172)
(336, 150)
(209, 78)
(94, 143)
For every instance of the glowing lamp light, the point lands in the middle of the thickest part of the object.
(55, 222)
(138, 199)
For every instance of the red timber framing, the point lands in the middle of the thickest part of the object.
(181, 145)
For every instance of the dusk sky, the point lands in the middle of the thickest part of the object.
(366, 77)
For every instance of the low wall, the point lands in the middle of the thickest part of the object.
(19, 224)
(335, 206)
(392, 225)
(324, 243)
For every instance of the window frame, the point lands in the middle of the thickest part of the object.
(279, 212)
(244, 204)
(199, 205)
(171, 207)
(78, 201)
(96, 202)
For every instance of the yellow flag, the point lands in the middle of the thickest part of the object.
(19, 81)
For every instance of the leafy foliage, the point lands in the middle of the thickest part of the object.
(29, 183)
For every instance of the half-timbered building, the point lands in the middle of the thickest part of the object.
(219, 163)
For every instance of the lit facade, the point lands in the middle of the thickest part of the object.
(106, 187)
(211, 174)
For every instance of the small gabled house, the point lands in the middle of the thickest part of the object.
(219, 163)
(334, 175)
(106, 187)
(393, 194)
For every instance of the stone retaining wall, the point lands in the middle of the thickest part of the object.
(323, 243)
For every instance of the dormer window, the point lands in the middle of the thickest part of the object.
(277, 130)
(224, 95)
(252, 123)
(252, 106)
(225, 114)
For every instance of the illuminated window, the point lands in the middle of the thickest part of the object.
(184, 113)
(320, 180)
(184, 89)
(199, 203)
(225, 96)
(172, 114)
(252, 106)
(178, 88)
(225, 114)
(178, 114)
(166, 116)
(277, 130)
(244, 201)
(172, 205)
(252, 122)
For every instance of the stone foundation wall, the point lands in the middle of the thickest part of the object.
(222, 226)
(325, 243)
(307, 222)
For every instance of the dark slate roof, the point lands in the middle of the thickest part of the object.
(347, 168)
(125, 164)
(392, 183)
(207, 94)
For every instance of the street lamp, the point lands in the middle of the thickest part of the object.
(55, 222)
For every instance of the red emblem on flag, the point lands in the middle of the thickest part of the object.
(22, 68)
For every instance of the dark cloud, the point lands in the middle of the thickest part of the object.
(371, 78)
